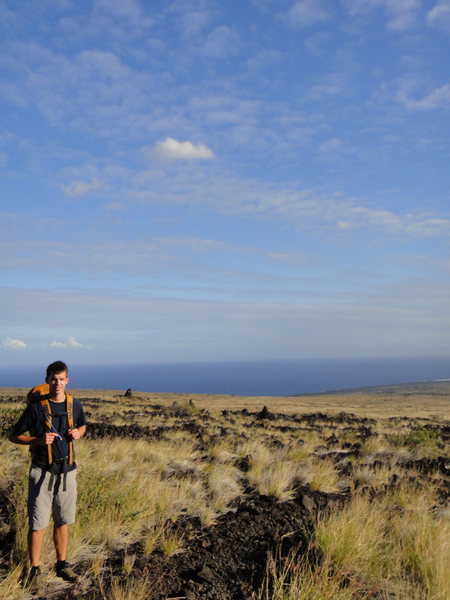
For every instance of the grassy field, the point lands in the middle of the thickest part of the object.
(377, 456)
(418, 400)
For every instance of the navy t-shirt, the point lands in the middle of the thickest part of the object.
(33, 421)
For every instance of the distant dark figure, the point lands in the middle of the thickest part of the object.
(264, 414)
(128, 393)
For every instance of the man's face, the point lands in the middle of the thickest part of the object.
(57, 383)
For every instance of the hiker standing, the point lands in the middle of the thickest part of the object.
(53, 420)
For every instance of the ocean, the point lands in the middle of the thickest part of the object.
(246, 378)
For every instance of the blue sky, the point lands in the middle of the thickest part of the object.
(211, 180)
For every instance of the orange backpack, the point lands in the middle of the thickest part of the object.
(41, 393)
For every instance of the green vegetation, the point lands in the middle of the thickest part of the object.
(421, 438)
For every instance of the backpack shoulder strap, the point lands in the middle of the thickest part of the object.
(70, 422)
(45, 404)
(41, 393)
(69, 409)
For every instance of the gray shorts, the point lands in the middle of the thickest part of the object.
(42, 503)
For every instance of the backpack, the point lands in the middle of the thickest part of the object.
(41, 393)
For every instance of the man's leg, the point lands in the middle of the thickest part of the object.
(64, 507)
(61, 539)
(39, 510)
(35, 540)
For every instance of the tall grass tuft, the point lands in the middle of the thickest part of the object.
(322, 475)
(296, 579)
(391, 546)
(10, 585)
(131, 589)
(355, 539)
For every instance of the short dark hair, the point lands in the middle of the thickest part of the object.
(56, 367)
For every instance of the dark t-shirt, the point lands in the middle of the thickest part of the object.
(32, 420)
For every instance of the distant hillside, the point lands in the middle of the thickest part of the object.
(425, 388)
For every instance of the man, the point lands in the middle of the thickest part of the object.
(52, 486)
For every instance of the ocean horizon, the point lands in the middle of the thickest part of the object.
(244, 378)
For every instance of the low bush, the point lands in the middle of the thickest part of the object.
(421, 438)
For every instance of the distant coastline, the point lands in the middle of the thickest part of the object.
(247, 378)
(434, 387)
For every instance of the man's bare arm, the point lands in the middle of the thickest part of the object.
(32, 440)
(77, 432)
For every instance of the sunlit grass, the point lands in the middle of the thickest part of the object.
(10, 585)
(130, 589)
(296, 579)
(392, 541)
(323, 475)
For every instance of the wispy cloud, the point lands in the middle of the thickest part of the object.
(14, 344)
(221, 42)
(119, 19)
(307, 12)
(172, 149)
(46, 80)
(333, 147)
(193, 18)
(402, 320)
(290, 203)
(162, 159)
(439, 15)
(401, 14)
(410, 94)
(81, 188)
(71, 342)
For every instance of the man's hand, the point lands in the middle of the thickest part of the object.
(75, 434)
(47, 438)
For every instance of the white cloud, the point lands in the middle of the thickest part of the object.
(70, 343)
(221, 42)
(171, 149)
(333, 146)
(402, 318)
(429, 227)
(192, 18)
(95, 90)
(344, 225)
(81, 188)
(119, 18)
(14, 344)
(128, 9)
(115, 206)
(307, 12)
(439, 15)
(401, 14)
(437, 99)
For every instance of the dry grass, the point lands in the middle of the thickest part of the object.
(393, 547)
(426, 401)
(390, 539)
(132, 589)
